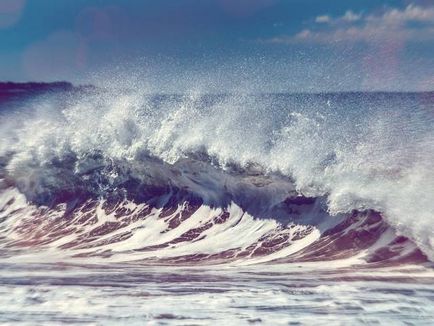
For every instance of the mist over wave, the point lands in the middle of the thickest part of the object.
(328, 155)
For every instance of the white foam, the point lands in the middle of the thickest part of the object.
(359, 157)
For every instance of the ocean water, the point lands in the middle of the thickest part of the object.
(272, 295)
(122, 206)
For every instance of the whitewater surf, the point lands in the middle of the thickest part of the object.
(216, 187)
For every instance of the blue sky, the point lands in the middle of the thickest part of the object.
(265, 45)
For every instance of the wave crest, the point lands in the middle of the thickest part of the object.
(356, 152)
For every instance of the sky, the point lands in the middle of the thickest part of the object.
(263, 45)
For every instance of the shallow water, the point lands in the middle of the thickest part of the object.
(297, 294)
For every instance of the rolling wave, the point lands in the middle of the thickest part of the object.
(121, 175)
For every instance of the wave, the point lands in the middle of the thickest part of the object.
(123, 175)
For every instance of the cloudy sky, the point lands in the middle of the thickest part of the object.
(266, 45)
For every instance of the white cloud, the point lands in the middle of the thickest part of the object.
(410, 13)
(393, 24)
(351, 16)
(323, 19)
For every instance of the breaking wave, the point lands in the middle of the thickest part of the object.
(123, 175)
